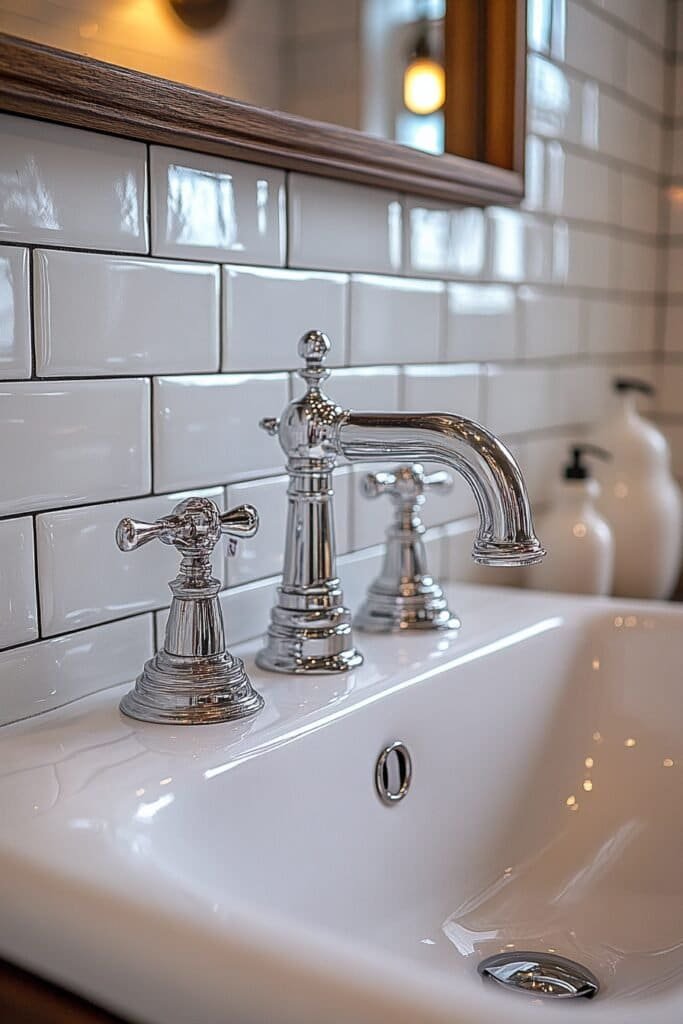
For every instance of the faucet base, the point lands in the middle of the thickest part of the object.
(421, 605)
(192, 691)
(310, 633)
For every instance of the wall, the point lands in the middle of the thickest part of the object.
(147, 35)
(670, 269)
(144, 333)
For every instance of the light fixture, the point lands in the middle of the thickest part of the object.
(424, 79)
(200, 14)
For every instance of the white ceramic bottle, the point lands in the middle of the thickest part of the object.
(640, 499)
(578, 541)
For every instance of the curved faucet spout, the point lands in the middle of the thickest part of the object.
(506, 532)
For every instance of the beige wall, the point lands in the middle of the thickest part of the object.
(239, 57)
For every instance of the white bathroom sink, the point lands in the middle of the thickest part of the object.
(249, 873)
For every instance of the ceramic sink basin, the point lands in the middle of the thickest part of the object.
(249, 872)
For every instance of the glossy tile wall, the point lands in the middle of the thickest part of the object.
(670, 271)
(145, 330)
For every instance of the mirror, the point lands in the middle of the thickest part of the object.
(390, 92)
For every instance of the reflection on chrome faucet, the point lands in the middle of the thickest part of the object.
(310, 629)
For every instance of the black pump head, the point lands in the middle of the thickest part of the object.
(633, 384)
(576, 469)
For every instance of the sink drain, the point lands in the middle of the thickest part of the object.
(540, 974)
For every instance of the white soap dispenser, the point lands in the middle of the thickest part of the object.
(640, 498)
(578, 541)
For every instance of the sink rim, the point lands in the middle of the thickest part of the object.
(373, 979)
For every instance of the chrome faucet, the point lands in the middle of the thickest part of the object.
(405, 595)
(310, 628)
(193, 679)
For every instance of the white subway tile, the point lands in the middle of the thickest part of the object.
(363, 388)
(675, 268)
(457, 552)
(69, 187)
(520, 246)
(68, 442)
(262, 555)
(591, 259)
(645, 73)
(542, 460)
(520, 399)
(637, 266)
(50, 673)
(84, 578)
(118, 315)
(507, 244)
(454, 388)
(15, 313)
(669, 378)
(652, 18)
(209, 208)
(590, 114)
(18, 606)
(343, 483)
(206, 429)
(594, 46)
(357, 570)
(619, 130)
(266, 311)
(629, 135)
(639, 203)
(394, 319)
(554, 101)
(445, 240)
(334, 225)
(673, 336)
(673, 200)
(537, 174)
(482, 322)
(549, 324)
(587, 191)
(677, 150)
(370, 517)
(246, 610)
(616, 326)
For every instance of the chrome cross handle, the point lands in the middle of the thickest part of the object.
(194, 679)
(194, 527)
(406, 485)
(405, 595)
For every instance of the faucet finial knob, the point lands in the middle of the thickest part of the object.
(313, 348)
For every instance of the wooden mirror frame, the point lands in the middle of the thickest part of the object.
(485, 103)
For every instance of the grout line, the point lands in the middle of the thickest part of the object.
(626, 99)
(77, 630)
(152, 439)
(658, 49)
(36, 573)
(148, 186)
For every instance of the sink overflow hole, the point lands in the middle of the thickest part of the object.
(393, 772)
